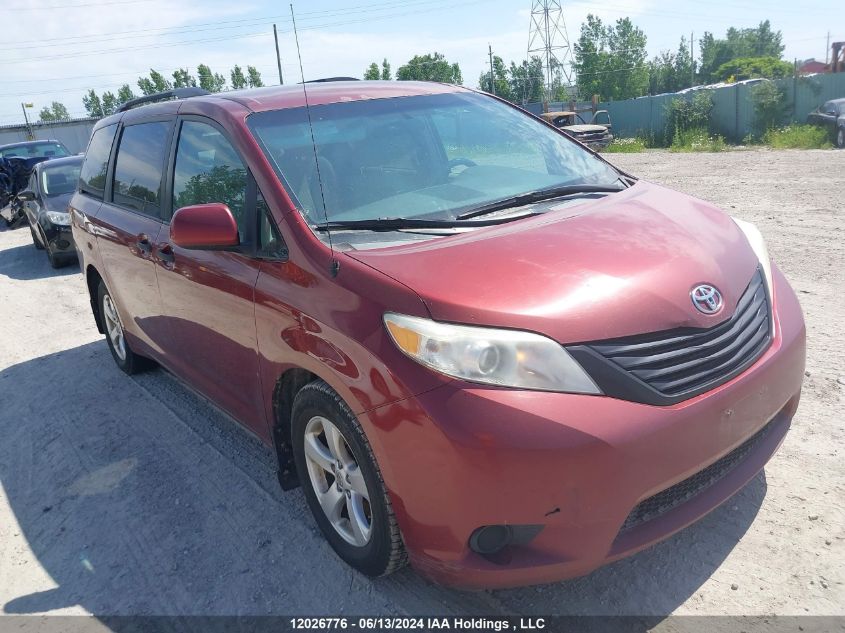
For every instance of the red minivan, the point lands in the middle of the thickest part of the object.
(474, 343)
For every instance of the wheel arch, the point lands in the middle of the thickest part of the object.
(287, 386)
(93, 279)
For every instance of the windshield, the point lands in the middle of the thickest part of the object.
(35, 150)
(59, 179)
(431, 157)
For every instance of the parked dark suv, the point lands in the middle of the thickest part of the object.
(480, 348)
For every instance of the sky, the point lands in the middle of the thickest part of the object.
(82, 44)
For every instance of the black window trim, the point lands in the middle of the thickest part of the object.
(92, 193)
(248, 246)
(108, 198)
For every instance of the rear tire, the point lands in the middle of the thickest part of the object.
(126, 359)
(340, 467)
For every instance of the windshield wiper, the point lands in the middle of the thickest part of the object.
(536, 196)
(397, 224)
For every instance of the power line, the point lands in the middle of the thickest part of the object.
(75, 6)
(240, 23)
(445, 3)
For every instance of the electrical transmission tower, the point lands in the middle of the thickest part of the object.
(547, 36)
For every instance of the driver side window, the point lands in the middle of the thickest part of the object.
(208, 169)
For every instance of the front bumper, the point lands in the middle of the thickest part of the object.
(59, 240)
(464, 456)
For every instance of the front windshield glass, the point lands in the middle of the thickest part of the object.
(421, 157)
(59, 179)
(35, 150)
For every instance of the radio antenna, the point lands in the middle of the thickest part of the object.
(335, 265)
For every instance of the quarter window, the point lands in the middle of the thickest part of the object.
(92, 178)
(209, 170)
(139, 165)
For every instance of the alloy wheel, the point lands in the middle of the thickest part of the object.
(114, 329)
(338, 482)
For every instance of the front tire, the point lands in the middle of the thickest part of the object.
(55, 262)
(840, 138)
(35, 239)
(126, 359)
(342, 482)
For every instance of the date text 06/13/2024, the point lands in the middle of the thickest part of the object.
(419, 623)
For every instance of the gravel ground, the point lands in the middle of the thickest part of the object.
(133, 496)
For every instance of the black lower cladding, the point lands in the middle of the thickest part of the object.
(694, 485)
(666, 367)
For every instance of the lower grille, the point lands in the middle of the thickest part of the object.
(690, 487)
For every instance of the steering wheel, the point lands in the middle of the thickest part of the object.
(457, 162)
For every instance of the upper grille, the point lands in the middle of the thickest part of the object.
(678, 364)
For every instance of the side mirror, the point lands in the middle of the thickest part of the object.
(204, 226)
(27, 195)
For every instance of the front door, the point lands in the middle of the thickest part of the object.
(208, 295)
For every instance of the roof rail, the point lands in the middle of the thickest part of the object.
(328, 79)
(176, 93)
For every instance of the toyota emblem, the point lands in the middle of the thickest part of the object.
(706, 299)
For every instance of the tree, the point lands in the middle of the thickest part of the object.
(526, 80)
(752, 68)
(610, 61)
(182, 78)
(501, 82)
(770, 105)
(430, 67)
(372, 73)
(238, 79)
(670, 72)
(92, 104)
(110, 103)
(125, 93)
(54, 112)
(253, 77)
(213, 82)
(385, 70)
(156, 82)
(760, 41)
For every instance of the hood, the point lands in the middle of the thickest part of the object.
(585, 129)
(621, 265)
(57, 203)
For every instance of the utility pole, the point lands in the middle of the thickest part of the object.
(492, 77)
(278, 57)
(29, 131)
(827, 50)
(691, 59)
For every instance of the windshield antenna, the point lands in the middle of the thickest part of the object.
(335, 265)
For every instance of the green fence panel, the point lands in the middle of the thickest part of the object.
(733, 113)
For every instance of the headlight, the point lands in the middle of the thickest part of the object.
(57, 217)
(758, 245)
(507, 358)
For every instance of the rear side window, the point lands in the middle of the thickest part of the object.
(208, 169)
(139, 165)
(92, 178)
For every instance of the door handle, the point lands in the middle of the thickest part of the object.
(165, 254)
(144, 245)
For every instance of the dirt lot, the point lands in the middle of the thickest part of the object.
(132, 496)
